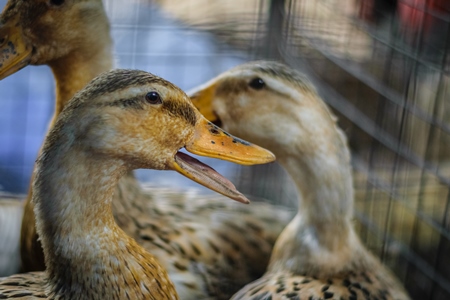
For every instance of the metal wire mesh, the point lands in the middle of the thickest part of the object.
(381, 65)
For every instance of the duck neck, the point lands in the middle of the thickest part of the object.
(74, 70)
(324, 183)
(86, 252)
(322, 231)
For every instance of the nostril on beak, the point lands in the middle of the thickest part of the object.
(3, 40)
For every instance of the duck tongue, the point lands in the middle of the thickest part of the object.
(208, 177)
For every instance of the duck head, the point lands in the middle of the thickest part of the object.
(143, 121)
(42, 31)
(276, 107)
(269, 104)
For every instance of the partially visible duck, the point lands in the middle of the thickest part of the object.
(73, 38)
(318, 255)
(122, 120)
(210, 249)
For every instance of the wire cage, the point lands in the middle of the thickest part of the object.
(382, 65)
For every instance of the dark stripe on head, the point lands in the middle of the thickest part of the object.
(134, 103)
(111, 82)
(180, 109)
(115, 80)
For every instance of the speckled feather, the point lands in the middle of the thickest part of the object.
(288, 286)
(204, 261)
(23, 286)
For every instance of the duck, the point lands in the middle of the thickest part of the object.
(209, 247)
(122, 120)
(83, 51)
(318, 255)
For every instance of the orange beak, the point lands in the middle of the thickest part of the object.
(212, 141)
(15, 52)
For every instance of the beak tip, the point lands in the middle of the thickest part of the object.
(270, 157)
(244, 200)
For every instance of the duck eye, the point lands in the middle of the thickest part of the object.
(56, 2)
(257, 83)
(153, 98)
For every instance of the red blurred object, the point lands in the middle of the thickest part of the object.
(367, 10)
(414, 14)
(375, 11)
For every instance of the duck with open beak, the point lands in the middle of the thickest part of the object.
(212, 141)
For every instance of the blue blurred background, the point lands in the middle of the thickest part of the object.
(144, 38)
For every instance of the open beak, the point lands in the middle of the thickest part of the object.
(15, 52)
(212, 141)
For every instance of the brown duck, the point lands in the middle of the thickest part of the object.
(122, 120)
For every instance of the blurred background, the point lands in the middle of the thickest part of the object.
(382, 65)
